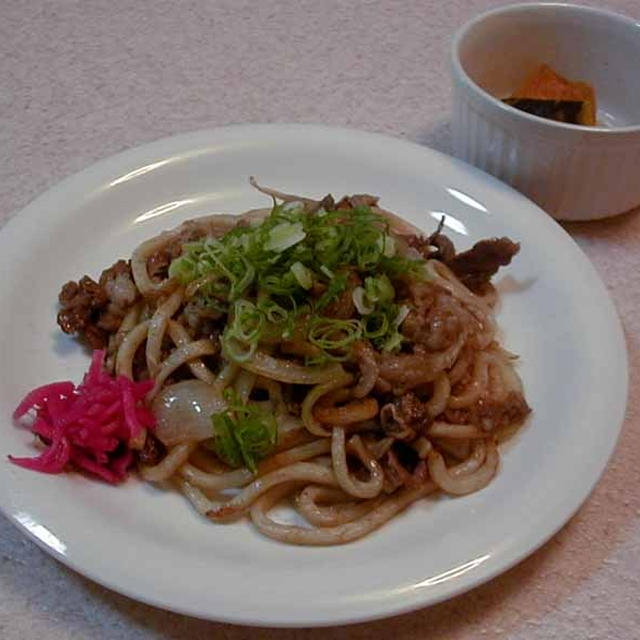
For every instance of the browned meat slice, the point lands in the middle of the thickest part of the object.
(158, 263)
(436, 319)
(476, 266)
(412, 410)
(342, 307)
(395, 474)
(444, 249)
(327, 203)
(437, 246)
(394, 424)
(490, 415)
(94, 310)
(118, 284)
(357, 200)
(152, 452)
(404, 417)
(434, 247)
(81, 304)
(200, 320)
(402, 372)
(402, 469)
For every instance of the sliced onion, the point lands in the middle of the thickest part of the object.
(183, 411)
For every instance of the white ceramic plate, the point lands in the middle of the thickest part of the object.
(149, 544)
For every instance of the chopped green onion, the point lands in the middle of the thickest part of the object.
(303, 275)
(183, 269)
(376, 325)
(327, 272)
(247, 322)
(393, 339)
(334, 336)
(393, 342)
(224, 444)
(262, 275)
(279, 284)
(379, 288)
(382, 326)
(284, 235)
(399, 266)
(245, 328)
(361, 301)
(235, 350)
(243, 434)
(387, 245)
(211, 256)
(273, 311)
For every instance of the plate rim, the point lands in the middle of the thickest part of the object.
(178, 145)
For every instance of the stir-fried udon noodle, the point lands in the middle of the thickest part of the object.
(318, 352)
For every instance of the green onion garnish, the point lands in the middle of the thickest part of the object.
(264, 275)
(303, 275)
(283, 236)
(334, 336)
(243, 434)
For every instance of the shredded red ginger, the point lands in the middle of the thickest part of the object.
(90, 426)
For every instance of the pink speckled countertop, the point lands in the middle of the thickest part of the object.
(82, 79)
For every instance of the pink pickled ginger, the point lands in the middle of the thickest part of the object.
(90, 426)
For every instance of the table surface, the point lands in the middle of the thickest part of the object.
(83, 79)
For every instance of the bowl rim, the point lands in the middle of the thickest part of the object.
(512, 112)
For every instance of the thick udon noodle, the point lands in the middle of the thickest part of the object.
(328, 459)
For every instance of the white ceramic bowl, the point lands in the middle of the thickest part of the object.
(573, 172)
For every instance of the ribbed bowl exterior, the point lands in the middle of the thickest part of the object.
(571, 174)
